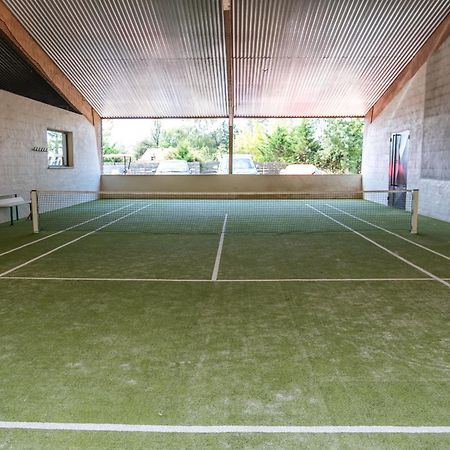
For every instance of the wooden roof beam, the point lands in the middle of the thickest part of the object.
(38, 58)
(431, 45)
(228, 27)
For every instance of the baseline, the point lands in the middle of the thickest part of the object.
(71, 242)
(415, 266)
(219, 429)
(391, 232)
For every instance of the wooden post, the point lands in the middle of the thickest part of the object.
(230, 148)
(35, 211)
(228, 27)
(415, 212)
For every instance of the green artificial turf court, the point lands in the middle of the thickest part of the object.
(121, 321)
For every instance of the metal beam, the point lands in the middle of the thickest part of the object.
(14, 31)
(431, 45)
(228, 27)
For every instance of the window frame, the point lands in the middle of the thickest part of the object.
(67, 157)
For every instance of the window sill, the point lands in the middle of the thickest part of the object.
(59, 167)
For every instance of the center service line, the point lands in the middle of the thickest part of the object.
(215, 273)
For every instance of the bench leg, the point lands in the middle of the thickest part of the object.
(11, 214)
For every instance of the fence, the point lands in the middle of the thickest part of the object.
(196, 168)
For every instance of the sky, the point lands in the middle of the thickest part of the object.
(128, 132)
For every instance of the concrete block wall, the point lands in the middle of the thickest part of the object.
(231, 183)
(423, 109)
(23, 125)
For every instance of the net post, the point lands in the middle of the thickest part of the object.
(34, 211)
(415, 212)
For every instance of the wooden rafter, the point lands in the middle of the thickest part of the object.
(38, 58)
(431, 45)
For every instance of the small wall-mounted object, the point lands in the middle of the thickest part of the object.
(39, 149)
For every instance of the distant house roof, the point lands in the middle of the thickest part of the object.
(155, 154)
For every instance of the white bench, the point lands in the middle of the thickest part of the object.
(12, 202)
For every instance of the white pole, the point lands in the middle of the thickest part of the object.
(35, 211)
(415, 211)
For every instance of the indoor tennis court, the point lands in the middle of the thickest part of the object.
(224, 224)
(262, 313)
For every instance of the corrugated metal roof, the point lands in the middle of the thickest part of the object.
(137, 58)
(325, 57)
(166, 58)
(18, 77)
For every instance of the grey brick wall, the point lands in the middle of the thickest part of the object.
(23, 125)
(423, 109)
(436, 139)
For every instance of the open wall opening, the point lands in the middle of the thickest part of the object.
(260, 146)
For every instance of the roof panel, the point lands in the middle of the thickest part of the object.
(166, 58)
(324, 57)
(136, 58)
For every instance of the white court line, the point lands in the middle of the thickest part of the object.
(415, 266)
(188, 280)
(71, 242)
(220, 429)
(391, 232)
(62, 231)
(215, 273)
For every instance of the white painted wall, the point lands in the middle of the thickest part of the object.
(423, 108)
(23, 125)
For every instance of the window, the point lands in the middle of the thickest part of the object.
(59, 148)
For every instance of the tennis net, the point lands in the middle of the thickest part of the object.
(180, 213)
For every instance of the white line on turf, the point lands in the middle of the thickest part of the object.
(62, 231)
(71, 242)
(215, 273)
(415, 266)
(219, 429)
(391, 232)
(254, 280)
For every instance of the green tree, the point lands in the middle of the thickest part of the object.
(342, 141)
(304, 145)
(205, 139)
(250, 139)
(156, 133)
(183, 152)
(174, 136)
(108, 147)
(290, 142)
(277, 145)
